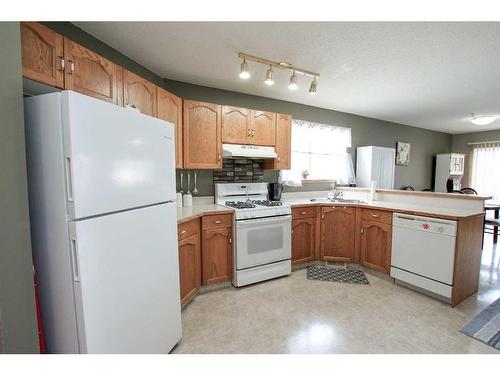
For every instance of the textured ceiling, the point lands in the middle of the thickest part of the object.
(429, 75)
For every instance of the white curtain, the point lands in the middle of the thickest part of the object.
(320, 151)
(485, 169)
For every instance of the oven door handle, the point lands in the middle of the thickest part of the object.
(267, 220)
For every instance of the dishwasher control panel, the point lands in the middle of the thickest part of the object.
(426, 224)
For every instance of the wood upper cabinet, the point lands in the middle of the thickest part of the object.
(139, 92)
(88, 73)
(235, 125)
(169, 108)
(376, 238)
(283, 144)
(303, 240)
(42, 54)
(338, 229)
(202, 135)
(189, 267)
(217, 255)
(262, 128)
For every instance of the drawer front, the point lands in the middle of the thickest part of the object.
(217, 221)
(188, 228)
(303, 212)
(377, 215)
(347, 209)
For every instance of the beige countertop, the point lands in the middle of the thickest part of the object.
(187, 213)
(397, 207)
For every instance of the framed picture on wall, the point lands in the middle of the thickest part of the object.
(403, 154)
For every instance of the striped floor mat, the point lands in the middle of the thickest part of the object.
(485, 326)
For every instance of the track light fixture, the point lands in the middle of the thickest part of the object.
(269, 80)
(314, 87)
(293, 82)
(269, 76)
(244, 72)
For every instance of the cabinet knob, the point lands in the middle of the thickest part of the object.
(253, 133)
(218, 157)
(217, 221)
(183, 232)
(303, 212)
(61, 63)
(375, 215)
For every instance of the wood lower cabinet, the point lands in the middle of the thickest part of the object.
(217, 255)
(169, 108)
(202, 135)
(338, 230)
(88, 73)
(376, 241)
(303, 240)
(189, 267)
(42, 52)
(235, 125)
(262, 128)
(139, 92)
(283, 144)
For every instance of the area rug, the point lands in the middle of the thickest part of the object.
(485, 326)
(341, 275)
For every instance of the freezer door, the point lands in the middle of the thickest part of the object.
(114, 158)
(126, 281)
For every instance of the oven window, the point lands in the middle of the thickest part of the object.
(264, 239)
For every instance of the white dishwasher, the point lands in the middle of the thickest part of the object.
(423, 252)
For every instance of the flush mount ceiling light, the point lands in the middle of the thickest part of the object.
(244, 72)
(269, 76)
(482, 120)
(269, 80)
(293, 82)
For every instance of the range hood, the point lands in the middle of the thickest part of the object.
(247, 151)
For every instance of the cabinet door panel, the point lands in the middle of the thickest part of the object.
(376, 240)
(263, 128)
(140, 93)
(217, 255)
(42, 54)
(337, 233)
(303, 235)
(235, 125)
(170, 109)
(189, 267)
(202, 135)
(283, 144)
(88, 73)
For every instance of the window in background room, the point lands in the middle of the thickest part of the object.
(319, 153)
(485, 173)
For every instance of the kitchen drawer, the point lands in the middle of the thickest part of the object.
(303, 212)
(377, 215)
(348, 209)
(217, 221)
(184, 230)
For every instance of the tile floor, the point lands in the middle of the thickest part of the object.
(296, 315)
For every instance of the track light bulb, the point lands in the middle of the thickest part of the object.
(269, 77)
(293, 82)
(314, 87)
(244, 72)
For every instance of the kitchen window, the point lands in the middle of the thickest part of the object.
(485, 174)
(319, 153)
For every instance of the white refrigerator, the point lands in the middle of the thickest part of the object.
(104, 229)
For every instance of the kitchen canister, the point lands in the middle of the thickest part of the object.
(187, 200)
(178, 199)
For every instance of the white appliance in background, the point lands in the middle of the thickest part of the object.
(423, 252)
(103, 223)
(375, 164)
(449, 172)
(263, 247)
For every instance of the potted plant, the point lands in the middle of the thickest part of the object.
(305, 173)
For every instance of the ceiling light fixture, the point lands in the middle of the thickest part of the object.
(244, 72)
(269, 80)
(293, 82)
(314, 87)
(482, 120)
(269, 76)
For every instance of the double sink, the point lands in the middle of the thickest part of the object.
(337, 200)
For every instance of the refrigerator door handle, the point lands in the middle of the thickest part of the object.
(69, 180)
(74, 260)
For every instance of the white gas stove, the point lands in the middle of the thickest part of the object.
(263, 232)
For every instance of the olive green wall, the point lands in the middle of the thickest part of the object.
(365, 132)
(18, 328)
(460, 145)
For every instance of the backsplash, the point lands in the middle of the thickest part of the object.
(239, 170)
